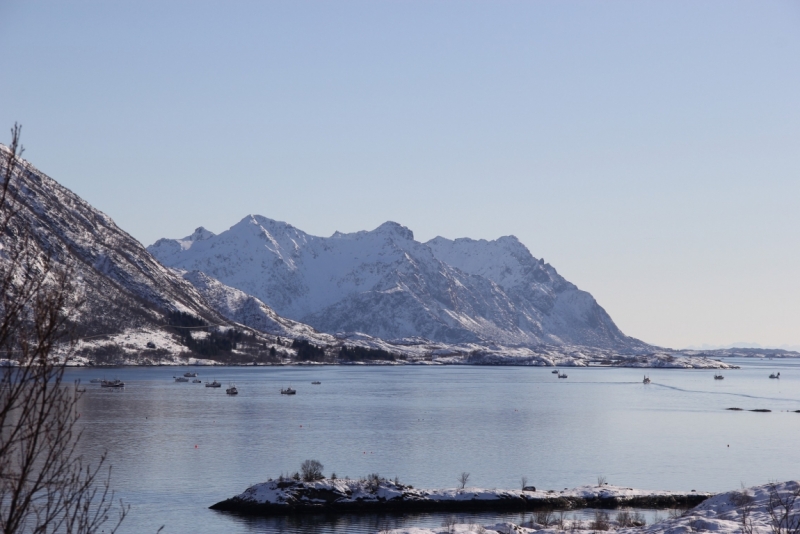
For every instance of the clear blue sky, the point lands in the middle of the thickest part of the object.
(650, 151)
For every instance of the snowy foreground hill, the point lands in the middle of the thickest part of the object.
(386, 284)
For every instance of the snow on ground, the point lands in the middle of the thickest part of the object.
(767, 509)
(141, 346)
(342, 491)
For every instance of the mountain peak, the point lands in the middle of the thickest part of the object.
(199, 234)
(396, 229)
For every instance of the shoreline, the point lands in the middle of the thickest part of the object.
(387, 363)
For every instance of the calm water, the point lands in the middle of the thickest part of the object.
(177, 448)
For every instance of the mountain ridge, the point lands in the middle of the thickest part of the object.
(386, 284)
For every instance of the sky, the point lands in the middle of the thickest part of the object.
(649, 151)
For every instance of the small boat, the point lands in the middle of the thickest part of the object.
(288, 391)
(562, 375)
(646, 380)
(316, 383)
(718, 377)
(773, 375)
(116, 383)
(196, 381)
(180, 379)
(232, 390)
(213, 384)
(555, 372)
(81, 390)
(189, 375)
(95, 380)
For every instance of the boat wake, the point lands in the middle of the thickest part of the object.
(745, 395)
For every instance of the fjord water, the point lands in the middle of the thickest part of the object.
(177, 448)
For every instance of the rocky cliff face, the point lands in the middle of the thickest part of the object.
(386, 284)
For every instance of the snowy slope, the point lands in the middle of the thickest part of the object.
(123, 286)
(247, 310)
(542, 297)
(386, 284)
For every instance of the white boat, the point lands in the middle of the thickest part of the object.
(213, 384)
(646, 380)
(562, 375)
(232, 390)
(116, 383)
(189, 375)
(773, 375)
(180, 379)
(95, 380)
(288, 391)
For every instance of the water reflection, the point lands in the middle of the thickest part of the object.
(372, 523)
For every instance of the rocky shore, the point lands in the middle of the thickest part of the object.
(288, 496)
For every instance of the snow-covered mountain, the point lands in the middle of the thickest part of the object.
(120, 281)
(128, 296)
(386, 284)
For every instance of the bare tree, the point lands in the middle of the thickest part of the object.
(601, 480)
(46, 485)
(784, 508)
(743, 501)
(462, 480)
(524, 482)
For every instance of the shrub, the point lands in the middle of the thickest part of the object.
(544, 518)
(311, 470)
